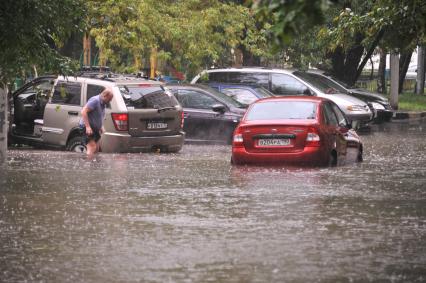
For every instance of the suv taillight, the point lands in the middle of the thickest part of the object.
(121, 121)
(312, 138)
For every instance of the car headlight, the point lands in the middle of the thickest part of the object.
(377, 106)
(357, 108)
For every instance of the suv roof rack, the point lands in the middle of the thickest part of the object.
(105, 73)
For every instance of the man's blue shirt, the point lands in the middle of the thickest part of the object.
(96, 114)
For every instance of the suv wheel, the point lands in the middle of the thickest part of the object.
(76, 144)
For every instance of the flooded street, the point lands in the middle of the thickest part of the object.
(192, 217)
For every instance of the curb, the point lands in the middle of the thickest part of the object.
(400, 115)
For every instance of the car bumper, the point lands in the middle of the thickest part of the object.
(363, 117)
(384, 115)
(311, 156)
(113, 142)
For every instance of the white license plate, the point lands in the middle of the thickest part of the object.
(273, 142)
(156, 125)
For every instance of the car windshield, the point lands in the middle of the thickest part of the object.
(242, 95)
(280, 110)
(263, 92)
(345, 85)
(320, 82)
(223, 96)
(147, 96)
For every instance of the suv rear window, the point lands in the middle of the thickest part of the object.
(278, 110)
(150, 96)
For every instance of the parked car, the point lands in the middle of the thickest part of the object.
(142, 116)
(287, 82)
(244, 94)
(210, 116)
(295, 130)
(379, 105)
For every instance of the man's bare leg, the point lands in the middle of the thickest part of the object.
(91, 149)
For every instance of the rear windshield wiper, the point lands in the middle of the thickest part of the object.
(165, 109)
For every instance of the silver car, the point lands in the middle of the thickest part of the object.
(142, 116)
(286, 82)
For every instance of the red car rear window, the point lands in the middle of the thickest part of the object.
(280, 110)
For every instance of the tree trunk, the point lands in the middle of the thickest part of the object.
(248, 59)
(372, 69)
(404, 62)
(421, 62)
(394, 69)
(3, 126)
(370, 51)
(344, 65)
(381, 83)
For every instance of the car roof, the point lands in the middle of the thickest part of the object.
(252, 69)
(112, 80)
(246, 85)
(304, 98)
(199, 86)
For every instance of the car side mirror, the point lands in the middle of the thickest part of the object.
(220, 108)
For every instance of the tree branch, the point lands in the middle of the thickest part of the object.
(369, 52)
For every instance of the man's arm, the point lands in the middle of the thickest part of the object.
(85, 115)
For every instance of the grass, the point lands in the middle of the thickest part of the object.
(411, 102)
(407, 101)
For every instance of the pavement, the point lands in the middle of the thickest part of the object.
(401, 115)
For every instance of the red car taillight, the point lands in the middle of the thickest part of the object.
(237, 139)
(121, 121)
(312, 138)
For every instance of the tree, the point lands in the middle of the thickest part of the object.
(350, 30)
(30, 32)
(362, 26)
(190, 34)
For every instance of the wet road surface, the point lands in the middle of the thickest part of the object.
(192, 217)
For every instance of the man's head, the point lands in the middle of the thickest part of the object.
(107, 95)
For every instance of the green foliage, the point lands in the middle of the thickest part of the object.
(290, 18)
(30, 32)
(412, 102)
(403, 23)
(189, 34)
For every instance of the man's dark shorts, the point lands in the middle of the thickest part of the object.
(96, 136)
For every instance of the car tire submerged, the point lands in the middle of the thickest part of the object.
(76, 144)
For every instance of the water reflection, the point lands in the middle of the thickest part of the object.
(192, 217)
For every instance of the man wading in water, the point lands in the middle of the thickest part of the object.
(91, 123)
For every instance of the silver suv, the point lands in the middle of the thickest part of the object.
(143, 115)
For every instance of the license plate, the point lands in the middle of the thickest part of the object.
(273, 142)
(156, 125)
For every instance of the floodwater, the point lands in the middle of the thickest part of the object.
(192, 217)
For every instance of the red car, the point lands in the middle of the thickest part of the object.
(295, 129)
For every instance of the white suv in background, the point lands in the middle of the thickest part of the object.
(287, 82)
(142, 116)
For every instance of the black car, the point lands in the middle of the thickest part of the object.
(209, 115)
(378, 103)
